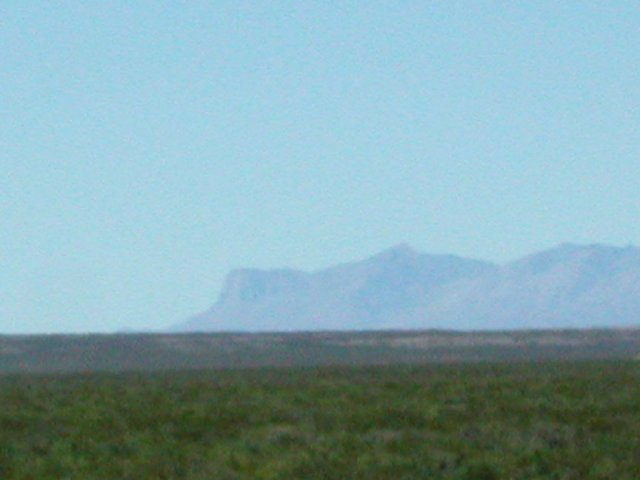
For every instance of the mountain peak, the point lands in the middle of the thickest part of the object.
(567, 286)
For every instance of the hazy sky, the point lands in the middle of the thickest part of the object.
(148, 147)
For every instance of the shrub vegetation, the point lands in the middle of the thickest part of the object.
(559, 421)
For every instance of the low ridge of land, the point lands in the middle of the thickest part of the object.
(145, 352)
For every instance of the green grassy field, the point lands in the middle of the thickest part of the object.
(577, 420)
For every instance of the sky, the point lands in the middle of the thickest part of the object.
(148, 147)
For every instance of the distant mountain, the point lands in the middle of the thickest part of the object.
(570, 286)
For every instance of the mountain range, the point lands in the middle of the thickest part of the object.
(570, 286)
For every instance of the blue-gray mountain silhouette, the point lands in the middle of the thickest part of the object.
(569, 286)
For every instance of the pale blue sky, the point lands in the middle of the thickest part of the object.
(148, 147)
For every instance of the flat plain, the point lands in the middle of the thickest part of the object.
(560, 420)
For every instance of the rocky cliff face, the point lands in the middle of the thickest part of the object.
(569, 286)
